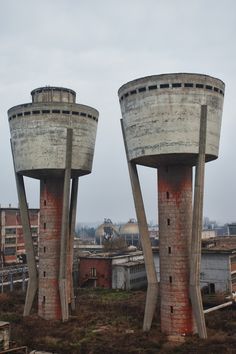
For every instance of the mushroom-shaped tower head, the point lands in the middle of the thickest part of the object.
(39, 130)
(161, 117)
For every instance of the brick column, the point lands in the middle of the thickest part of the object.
(175, 220)
(51, 198)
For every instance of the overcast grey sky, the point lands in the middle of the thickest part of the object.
(93, 47)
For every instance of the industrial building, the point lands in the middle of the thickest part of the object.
(12, 244)
(53, 140)
(172, 122)
(124, 271)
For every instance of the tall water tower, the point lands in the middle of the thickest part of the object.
(52, 140)
(172, 122)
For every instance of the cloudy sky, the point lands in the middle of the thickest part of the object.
(93, 47)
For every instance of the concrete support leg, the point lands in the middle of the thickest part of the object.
(152, 290)
(64, 247)
(29, 247)
(73, 207)
(195, 263)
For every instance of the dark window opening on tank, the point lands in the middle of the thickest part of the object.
(9, 118)
(19, 114)
(66, 112)
(212, 288)
(168, 221)
(167, 195)
(126, 94)
(75, 113)
(216, 89)
(152, 87)
(82, 114)
(44, 299)
(45, 111)
(44, 249)
(94, 118)
(27, 113)
(199, 85)
(162, 86)
(133, 92)
(221, 92)
(170, 279)
(188, 84)
(14, 116)
(36, 112)
(122, 98)
(44, 226)
(56, 111)
(45, 203)
(169, 250)
(142, 89)
(44, 274)
(171, 309)
(176, 84)
(89, 115)
(208, 87)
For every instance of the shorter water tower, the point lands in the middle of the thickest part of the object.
(52, 140)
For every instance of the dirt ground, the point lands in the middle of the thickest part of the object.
(110, 322)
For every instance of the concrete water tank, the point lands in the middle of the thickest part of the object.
(38, 133)
(161, 115)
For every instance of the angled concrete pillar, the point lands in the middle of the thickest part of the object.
(65, 239)
(29, 246)
(152, 290)
(195, 256)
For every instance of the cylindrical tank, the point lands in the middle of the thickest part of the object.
(161, 120)
(38, 133)
(161, 115)
(130, 232)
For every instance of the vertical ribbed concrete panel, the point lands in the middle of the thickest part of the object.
(175, 221)
(41, 133)
(161, 122)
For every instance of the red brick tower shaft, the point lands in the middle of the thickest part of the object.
(175, 221)
(51, 199)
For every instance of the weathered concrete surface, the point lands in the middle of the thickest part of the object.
(38, 132)
(161, 123)
(162, 120)
(39, 136)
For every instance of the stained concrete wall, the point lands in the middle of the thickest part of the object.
(161, 117)
(38, 133)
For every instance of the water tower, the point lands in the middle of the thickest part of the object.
(52, 140)
(172, 122)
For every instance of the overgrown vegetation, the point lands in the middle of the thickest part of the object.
(110, 321)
